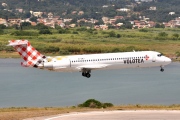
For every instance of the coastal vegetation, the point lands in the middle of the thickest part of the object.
(86, 41)
(19, 113)
(92, 103)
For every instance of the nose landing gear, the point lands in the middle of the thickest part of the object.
(162, 69)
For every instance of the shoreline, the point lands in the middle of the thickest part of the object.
(19, 113)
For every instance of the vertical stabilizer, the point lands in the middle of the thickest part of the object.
(30, 55)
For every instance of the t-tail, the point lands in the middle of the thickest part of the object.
(32, 58)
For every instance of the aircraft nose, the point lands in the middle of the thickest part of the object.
(168, 60)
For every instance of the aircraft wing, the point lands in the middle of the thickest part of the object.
(93, 67)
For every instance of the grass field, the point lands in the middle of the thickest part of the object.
(97, 41)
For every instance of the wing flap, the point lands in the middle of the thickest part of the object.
(93, 67)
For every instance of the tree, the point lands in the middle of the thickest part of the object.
(112, 34)
(82, 23)
(143, 30)
(25, 24)
(40, 26)
(27, 15)
(100, 22)
(177, 54)
(133, 17)
(176, 35)
(74, 20)
(2, 26)
(92, 103)
(120, 21)
(159, 25)
(162, 34)
(63, 31)
(127, 25)
(16, 26)
(1, 32)
(118, 36)
(45, 31)
(33, 19)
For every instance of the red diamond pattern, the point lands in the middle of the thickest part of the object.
(28, 53)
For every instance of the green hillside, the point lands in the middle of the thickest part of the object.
(92, 8)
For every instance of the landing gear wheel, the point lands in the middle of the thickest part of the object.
(83, 74)
(161, 69)
(88, 75)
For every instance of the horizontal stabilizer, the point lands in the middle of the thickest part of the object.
(31, 64)
(17, 42)
(27, 64)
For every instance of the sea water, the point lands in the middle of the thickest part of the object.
(31, 87)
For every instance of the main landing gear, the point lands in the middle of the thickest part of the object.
(162, 69)
(86, 73)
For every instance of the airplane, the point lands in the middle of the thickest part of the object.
(88, 62)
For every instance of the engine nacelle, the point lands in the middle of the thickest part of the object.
(57, 64)
(48, 65)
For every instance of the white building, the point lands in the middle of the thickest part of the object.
(123, 9)
(4, 4)
(36, 14)
(171, 13)
(105, 6)
(152, 8)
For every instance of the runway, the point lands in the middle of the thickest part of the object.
(117, 115)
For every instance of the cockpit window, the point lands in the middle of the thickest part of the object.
(159, 55)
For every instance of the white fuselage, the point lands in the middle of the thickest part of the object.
(106, 61)
(87, 63)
